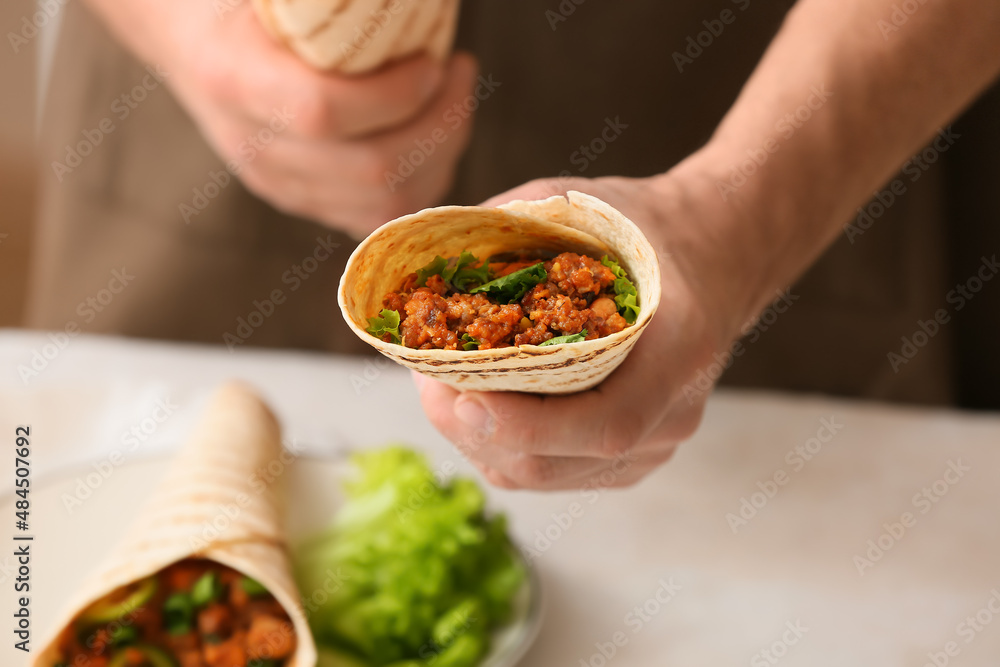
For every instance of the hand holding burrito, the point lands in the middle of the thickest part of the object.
(617, 432)
(312, 143)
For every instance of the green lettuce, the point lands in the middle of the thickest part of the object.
(436, 266)
(412, 572)
(627, 298)
(462, 276)
(560, 340)
(459, 273)
(386, 323)
(513, 286)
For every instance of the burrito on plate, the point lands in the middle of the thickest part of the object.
(203, 576)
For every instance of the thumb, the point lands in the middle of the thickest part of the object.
(542, 188)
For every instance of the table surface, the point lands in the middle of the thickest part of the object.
(791, 529)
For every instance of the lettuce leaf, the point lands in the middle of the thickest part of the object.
(462, 276)
(458, 273)
(510, 288)
(561, 340)
(627, 298)
(386, 323)
(437, 265)
(470, 343)
(412, 571)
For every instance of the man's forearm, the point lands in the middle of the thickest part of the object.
(844, 94)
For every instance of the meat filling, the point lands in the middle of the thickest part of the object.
(577, 295)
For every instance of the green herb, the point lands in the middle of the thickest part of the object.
(206, 590)
(510, 288)
(470, 343)
(122, 635)
(560, 340)
(386, 323)
(252, 587)
(421, 570)
(212, 638)
(437, 265)
(178, 614)
(627, 298)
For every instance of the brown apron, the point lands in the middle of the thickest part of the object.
(565, 70)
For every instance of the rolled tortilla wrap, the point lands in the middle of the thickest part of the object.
(357, 36)
(578, 223)
(219, 501)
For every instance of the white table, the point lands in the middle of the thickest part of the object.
(787, 581)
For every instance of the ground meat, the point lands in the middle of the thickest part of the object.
(556, 311)
(577, 295)
(494, 325)
(215, 619)
(270, 638)
(578, 275)
(426, 323)
(395, 301)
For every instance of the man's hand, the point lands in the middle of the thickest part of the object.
(731, 228)
(345, 133)
(625, 427)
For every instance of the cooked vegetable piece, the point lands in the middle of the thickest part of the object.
(206, 590)
(120, 603)
(178, 614)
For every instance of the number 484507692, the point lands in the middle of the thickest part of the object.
(23, 472)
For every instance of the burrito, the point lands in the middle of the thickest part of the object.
(354, 36)
(544, 297)
(202, 577)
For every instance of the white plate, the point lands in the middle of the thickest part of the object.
(73, 531)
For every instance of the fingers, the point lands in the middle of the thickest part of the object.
(542, 188)
(255, 77)
(359, 106)
(358, 185)
(601, 423)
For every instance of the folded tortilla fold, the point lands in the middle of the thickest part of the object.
(357, 36)
(577, 222)
(220, 500)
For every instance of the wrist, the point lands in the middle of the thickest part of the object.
(722, 250)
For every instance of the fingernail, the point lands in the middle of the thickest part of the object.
(471, 412)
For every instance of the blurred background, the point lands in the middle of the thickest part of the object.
(18, 164)
(860, 303)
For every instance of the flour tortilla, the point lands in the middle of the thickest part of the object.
(577, 222)
(358, 36)
(212, 504)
